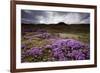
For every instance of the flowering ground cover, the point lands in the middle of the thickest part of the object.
(54, 44)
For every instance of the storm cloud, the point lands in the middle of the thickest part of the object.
(54, 17)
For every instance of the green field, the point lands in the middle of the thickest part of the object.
(80, 32)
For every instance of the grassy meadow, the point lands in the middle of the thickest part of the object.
(41, 35)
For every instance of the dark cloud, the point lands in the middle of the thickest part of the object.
(47, 17)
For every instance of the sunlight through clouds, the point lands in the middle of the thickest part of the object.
(54, 17)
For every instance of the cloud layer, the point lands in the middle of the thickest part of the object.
(49, 17)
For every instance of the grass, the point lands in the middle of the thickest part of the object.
(77, 32)
(31, 36)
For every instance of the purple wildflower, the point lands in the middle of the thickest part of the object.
(34, 51)
(78, 55)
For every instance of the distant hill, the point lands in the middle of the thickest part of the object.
(60, 26)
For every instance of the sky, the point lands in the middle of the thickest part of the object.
(54, 17)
